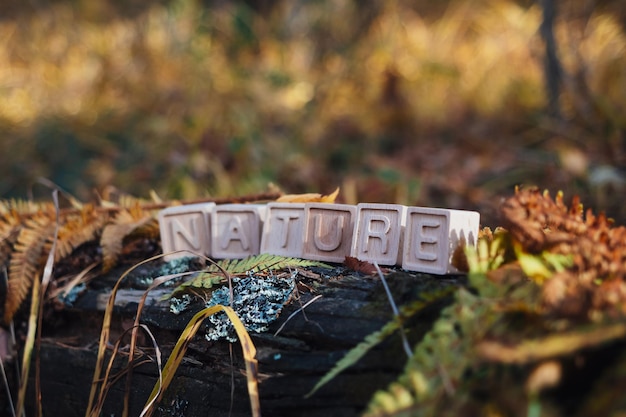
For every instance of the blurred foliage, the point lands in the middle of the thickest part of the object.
(440, 103)
(518, 343)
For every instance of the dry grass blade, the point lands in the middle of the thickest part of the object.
(9, 335)
(28, 347)
(249, 352)
(104, 338)
(157, 353)
(108, 380)
(396, 312)
(80, 278)
(301, 309)
(133, 338)
(94, 409)
(533, 350)
(35, 320)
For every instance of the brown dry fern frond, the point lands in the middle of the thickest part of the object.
(10, 225)
(78, 228)
(597, 278)
(121, 226)
(27, 259)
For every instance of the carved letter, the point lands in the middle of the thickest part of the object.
(283, 231)
(426, 237)
(322, 233)
(234, 231)
(328, 231)
(378, 234)
(432, 235)
(186, 227)
(284, 227)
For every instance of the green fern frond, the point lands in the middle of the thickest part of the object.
(264, 262)
(439, 360)
(378, 336)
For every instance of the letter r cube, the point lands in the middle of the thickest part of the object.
(378, 233)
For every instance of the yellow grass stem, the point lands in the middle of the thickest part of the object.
(249, 353)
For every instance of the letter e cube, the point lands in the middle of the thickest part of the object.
(432, 235)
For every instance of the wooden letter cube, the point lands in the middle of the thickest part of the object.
(328, 231)
(432, 235)
(236, 231)
(186, 227)
(378, 234)
(283, 231)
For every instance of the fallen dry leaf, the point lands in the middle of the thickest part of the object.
(363, 267)
(309, 198)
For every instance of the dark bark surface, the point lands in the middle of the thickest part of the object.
(290, 364)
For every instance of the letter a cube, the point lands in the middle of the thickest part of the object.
(432, 235)
(186, 227)
(378, 234)
(236, 231)
(283, 230)
(328, 231)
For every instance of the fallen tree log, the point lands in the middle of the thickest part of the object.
(212, 382)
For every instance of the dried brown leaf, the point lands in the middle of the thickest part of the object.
(114, 233)
(363, 267)
(79, 228)
(27, 260)
(309, 198)
(597, 249)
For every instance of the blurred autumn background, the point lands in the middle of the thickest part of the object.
(445, 103)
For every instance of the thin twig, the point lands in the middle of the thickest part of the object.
(5, 381)
(296, 312)
(396, 313)
(11, 347)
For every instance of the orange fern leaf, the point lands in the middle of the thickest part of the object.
(27, 260)
(114, 233)
(79, 228)
(10, 225)
(23, 207)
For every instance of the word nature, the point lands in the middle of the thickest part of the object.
(417, 238)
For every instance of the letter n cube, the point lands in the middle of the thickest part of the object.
(186, 227)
